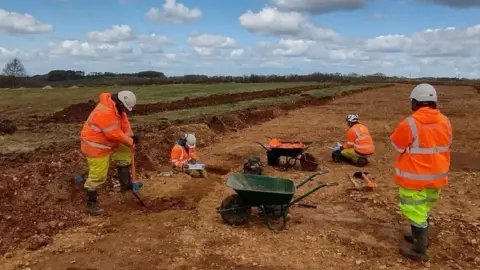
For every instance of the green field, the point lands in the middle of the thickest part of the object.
(20, 102)
(195, 113)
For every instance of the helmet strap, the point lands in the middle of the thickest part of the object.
(422, 104)
(118, 104)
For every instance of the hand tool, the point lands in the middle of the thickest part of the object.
(135, 185)
(365, 176)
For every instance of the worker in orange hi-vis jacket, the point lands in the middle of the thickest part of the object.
(106, 135)
(358, 146)
(423, 142)
(183, 153)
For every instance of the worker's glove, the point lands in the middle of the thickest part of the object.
(337, 148)
(135, 139)
(193, 161)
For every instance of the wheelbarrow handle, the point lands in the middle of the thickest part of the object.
(319, 186)
(264, 147)
(310, 178)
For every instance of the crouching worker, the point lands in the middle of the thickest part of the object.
(183, 154)
(106, 135)
(359, 145)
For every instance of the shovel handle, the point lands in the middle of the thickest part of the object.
(133, 165)
(264, 147)
(355, 184)
(369, 182)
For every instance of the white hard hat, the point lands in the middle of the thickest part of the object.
(352, 118)
(424, 92)
(191, 140)
(128, 99)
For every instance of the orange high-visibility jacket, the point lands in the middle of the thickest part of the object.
(423, 141)
(105, 129)
(358, 138)
(275, 143)
(179, 155)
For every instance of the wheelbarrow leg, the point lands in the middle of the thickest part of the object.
(270, 219)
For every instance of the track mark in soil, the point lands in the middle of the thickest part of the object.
(168, 203)
(463, 161)
(221, 262)
(7, 127)
(217, 170)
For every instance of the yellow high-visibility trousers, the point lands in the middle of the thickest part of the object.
(351, 155)
(98, 167)
(417, 204)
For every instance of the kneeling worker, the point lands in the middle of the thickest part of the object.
(184, 153)
(106, 135)
(359, 144)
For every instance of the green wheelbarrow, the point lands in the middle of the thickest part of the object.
(274, 197)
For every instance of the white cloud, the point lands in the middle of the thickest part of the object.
(115, 34)
(153, 43)
(272, 21)
(388, 43)
(173, 12)
(16, 23)
(236, 53)
(208, 40)
(85, 49)
(203, 51)
(320, 6)
(7, 54)
(310, 49)
(448, 41)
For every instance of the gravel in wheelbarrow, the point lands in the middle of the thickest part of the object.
(274, 197)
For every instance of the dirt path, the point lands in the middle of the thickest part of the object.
(346, 231)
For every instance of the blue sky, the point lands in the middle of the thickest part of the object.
(220, 37)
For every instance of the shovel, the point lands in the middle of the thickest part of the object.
(365, 176)
(357, 186)
(135, 186)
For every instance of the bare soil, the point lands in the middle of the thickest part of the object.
(7, 127)
(43, 225)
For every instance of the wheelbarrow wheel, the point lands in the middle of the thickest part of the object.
(238, 216)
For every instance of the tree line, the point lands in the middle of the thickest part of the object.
(15, 75)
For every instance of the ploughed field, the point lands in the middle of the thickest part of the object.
(42, 219)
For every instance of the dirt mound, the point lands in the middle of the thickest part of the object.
(7, 127)
(226, 123)
(143, 109)
(79, 112)
(154, 149)
(40, 198)
(477, 87)
(74, 113)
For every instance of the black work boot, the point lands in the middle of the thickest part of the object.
(419, 249)
(92, 203)
(123, 174)
(409, 237)
(337, 156)
(361, 162)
